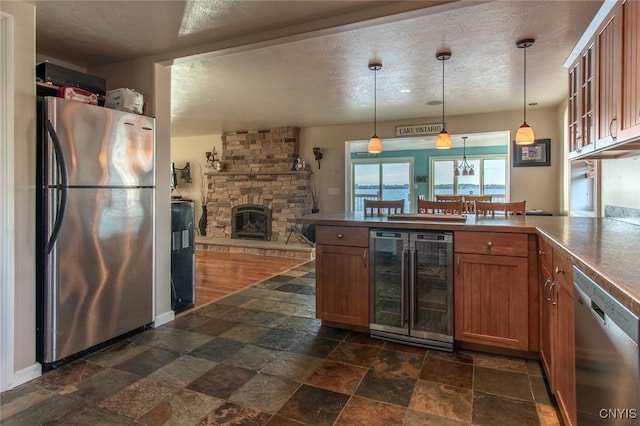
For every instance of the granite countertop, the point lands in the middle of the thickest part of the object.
(606, 249)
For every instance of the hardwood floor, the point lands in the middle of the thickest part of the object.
(219, 274)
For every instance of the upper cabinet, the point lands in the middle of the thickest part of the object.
(608, 40)
(581, 103)
(630, 122)
(604, 87)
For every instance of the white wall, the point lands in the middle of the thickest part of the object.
(541, 187)
(24, 366)
(193, 149)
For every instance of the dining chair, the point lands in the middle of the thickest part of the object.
(440, 207)
(509, 209)
(380, 207)
(469, 201)
(449, 197)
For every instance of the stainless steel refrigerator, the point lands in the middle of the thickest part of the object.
(95, 219)
(412, 287)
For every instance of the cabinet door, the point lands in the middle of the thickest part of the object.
(547, 324)
(565, 387)
(491, 300)
(574, 109)
(630, 123)
(342, 284)
(582, 95)
(587, 100)
(609, 52)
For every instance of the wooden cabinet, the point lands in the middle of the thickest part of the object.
(491, 289)
(618, 75)
(630, 114)
(604, 88)
(608, 47)
(557, 343)
(564, 342)
(582, 92)
(547, 314)
(342, 275)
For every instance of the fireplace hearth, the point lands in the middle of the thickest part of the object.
(250, 221)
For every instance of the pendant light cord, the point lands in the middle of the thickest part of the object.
(524, 101)
(443, 126)
(375, 100)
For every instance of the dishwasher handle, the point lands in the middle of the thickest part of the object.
(598, 311)
(604, 307)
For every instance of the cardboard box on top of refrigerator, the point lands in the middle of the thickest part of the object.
(124, 100)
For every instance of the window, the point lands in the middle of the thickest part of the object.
(490, 177)
(381, 179)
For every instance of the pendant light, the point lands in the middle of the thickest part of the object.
(443, 140)
(464, 168)
(375, 144)
(525, 135)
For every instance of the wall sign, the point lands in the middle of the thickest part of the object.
(419, 129)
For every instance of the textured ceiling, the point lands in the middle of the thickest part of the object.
(241, 65)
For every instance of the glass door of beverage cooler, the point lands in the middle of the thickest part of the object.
(389, 309)
(432, 287)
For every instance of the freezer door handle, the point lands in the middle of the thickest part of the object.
(64, 181)
(413, 258)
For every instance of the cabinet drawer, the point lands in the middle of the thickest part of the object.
(496, 243)
(342, 236)
(545, 254)
(562, 271)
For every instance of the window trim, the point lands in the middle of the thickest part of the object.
(505, 157)
(352, 162)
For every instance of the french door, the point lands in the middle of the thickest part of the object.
(380, 179)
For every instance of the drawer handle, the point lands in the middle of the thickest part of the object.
(489, 244)
(559, 271)
(340, 235)
(541, 253)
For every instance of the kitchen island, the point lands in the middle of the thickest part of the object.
(606, 249)
(513, 281)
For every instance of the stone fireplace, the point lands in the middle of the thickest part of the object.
(251, 222)
(257, 172)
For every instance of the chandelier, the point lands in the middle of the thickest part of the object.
(464, 168)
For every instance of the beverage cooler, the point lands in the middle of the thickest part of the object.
(182, 255)
(412, 287)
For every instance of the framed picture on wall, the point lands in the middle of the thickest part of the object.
(536, 154)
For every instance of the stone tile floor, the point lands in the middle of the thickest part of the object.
(259, 357)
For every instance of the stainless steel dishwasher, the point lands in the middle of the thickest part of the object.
(607, 359)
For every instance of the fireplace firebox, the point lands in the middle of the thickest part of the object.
(250, 221)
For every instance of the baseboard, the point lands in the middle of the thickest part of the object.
(27, 374)
(164, 318)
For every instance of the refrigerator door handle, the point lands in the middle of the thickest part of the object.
(412, 283)
(62, 205)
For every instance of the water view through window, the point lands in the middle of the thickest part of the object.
(381, 181)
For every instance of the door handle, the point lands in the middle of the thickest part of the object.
(64, 177)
